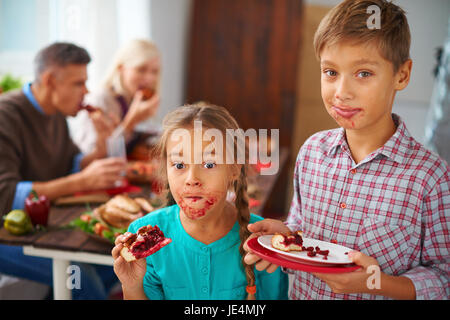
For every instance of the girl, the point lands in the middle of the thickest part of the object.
(204, 260)
(121, 96)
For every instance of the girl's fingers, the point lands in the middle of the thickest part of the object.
(115, 252)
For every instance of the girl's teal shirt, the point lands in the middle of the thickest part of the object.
(187, 269)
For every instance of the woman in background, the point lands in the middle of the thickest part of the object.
(128, 96)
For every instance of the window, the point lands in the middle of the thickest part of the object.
(100, 26)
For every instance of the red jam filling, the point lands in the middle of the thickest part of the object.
(293, 239)
(152, 240)
(311, 251)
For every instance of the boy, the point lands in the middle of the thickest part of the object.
(368, 185)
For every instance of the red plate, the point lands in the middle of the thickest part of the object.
(278, 259)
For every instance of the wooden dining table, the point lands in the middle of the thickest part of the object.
(66, 245)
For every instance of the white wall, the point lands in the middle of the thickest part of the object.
(102, 27)
(170, 21)
(428, 25)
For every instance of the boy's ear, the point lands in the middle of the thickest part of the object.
(403, 75)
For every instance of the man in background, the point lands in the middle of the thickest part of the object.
(37, 153)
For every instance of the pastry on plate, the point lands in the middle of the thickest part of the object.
(292, 241)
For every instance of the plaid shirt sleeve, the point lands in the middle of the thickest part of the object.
(431, 278)
(293, 221)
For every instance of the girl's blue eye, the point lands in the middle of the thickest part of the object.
(179, 165)
(209, 165)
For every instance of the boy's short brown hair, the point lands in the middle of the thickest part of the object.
(349, 21)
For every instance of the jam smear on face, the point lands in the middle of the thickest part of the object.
(195, 213)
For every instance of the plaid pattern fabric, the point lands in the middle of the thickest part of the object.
(393, 206)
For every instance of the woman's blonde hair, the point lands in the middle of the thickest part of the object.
(133, 54)
(212, 117)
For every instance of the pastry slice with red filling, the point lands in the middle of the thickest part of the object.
(288, 242)
(146, 241)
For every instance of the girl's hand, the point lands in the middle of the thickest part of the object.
(140, 110)
(266, 226)
(130, 274)
(356, 281)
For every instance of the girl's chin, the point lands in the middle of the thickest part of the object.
(195, 210)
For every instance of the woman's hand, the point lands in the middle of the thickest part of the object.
(140, 110)
(266, 226)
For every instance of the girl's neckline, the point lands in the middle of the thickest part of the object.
(225, 242)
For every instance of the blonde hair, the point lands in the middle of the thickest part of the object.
(213, 117)
(348, 21)
(133, 54)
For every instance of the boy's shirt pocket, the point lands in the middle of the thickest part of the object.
(390, 244)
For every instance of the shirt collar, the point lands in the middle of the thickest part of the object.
(339, 141)
(398, 145)
(395, 148)
(29, 94)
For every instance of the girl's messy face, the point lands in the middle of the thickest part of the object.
(198, 187)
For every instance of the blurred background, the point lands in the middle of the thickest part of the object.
(254, 57)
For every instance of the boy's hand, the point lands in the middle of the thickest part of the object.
(266, 226)
(351, 282)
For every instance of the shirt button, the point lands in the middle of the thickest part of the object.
(205, 249)
(353, 171)
(343, 205)
(205, 289)
(205, 270)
